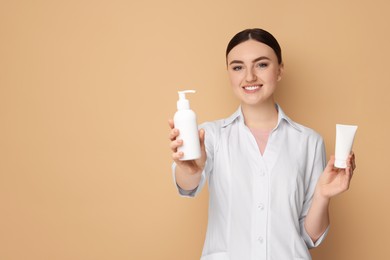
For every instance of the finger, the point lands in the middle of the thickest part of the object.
(175, 144)
(350, 167)
(171, 124)
(177, 156)
(349, 172)
(173, 134)
(351, 161)
(201, 138)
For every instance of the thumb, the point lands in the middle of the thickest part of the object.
(201, 139)
(329, 167)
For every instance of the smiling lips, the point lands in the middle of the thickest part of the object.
(252, 88)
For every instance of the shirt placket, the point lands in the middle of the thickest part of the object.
(260, 212)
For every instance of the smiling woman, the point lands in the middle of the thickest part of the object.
(269, 184)
(254, 72)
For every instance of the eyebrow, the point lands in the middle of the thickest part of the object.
(254, 61)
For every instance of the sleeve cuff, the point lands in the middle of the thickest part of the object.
(188, 193)
(309, 242)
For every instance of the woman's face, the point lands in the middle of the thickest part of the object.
(254, 71)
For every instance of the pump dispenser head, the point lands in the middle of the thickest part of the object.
(183, 103)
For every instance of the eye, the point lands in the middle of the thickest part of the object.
(262, 65)
(237, 68)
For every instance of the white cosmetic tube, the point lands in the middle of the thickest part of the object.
(345, 135)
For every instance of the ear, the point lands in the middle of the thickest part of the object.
(281, 70)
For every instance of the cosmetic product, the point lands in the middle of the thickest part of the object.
(345, 135)
(185, 121)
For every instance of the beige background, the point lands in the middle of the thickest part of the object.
(86, 88)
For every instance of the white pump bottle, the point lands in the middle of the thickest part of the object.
(185, 121)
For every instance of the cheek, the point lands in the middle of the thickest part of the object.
(235, 79)
(272, 76)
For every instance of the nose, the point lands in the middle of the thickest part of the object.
(250, 76)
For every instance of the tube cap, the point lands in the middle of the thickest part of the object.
(341, 164)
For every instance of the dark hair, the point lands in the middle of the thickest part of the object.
(259, 35)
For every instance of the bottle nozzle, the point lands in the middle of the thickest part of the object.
(183, 103)
(182, 94)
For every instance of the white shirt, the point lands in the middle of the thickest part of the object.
(258, 203)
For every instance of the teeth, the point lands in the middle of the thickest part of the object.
(251, 87)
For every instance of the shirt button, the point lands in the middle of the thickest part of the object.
(260, 206)
(260, 239)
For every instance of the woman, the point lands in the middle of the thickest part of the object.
(269, 184)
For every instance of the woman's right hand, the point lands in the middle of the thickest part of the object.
(191, 166)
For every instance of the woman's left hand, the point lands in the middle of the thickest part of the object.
(334, 181)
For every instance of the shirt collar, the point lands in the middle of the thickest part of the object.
(281, 117)
(236, 115)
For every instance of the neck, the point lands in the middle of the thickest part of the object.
(260, 117)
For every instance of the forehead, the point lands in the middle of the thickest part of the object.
(250, 50)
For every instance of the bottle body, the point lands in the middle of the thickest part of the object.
(185, 121)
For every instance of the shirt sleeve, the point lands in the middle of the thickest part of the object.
(309, 242)
(209, 143)
(315, 166)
